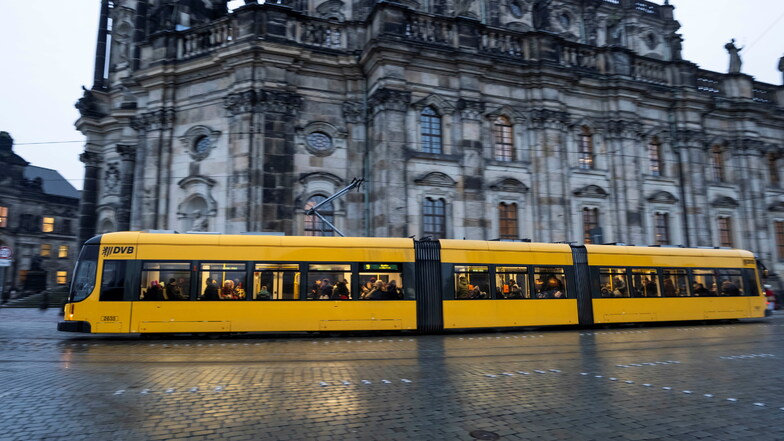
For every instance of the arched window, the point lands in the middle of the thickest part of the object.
(434, 218)
(725, 231)
(431, 130)
(773, 169)
(502, 131)
(585, 159)
(591, 230)
(314, 226)
(507, 221)
(717, 164)
(655, 156)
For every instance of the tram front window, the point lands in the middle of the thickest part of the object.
(84, 279)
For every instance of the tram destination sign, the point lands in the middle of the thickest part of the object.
(381, 267)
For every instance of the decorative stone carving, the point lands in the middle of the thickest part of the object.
(262, 101)
(509, 185)
(435, 179)
(89, 106)
(331, 9)
(111, 179)
(91, 159)
(389, 99)
(443, 106)
(469, 109)
(127, 152)
(353, 112)
(549, 118)
(156, 120)
(725, 202)
(625, 128)
(662, 197)
(591, 191)
(199, 141)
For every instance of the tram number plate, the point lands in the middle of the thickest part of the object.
(109, 318)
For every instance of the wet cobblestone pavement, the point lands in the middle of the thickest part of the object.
(676, 382)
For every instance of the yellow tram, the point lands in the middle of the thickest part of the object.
(147, 282)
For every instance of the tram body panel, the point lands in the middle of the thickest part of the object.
(273, 316)
(670, 309)
(509, 313)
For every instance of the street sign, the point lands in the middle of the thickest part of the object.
(5, 252)
(5, 262)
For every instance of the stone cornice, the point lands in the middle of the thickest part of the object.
(389, 99)
(160, 119)
(271, 101)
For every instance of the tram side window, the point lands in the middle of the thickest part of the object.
(381, 281)
(752, 288)
(472, 282)
(276, 281)
(730, 282)
(112, 280)
(222, 281)
(613, 282)
(165, 281)
(512, 282)
(550, 283)
(645, 282)
(704, 283)
(330, 281)
(675, 283)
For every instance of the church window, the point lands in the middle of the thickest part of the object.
(655, 156)
(3, 217)
(314, 225)
(717, 164)
(202, 145)
(319, 141)
(565, 21)
(504, 148)
(585, 159)
(591, 230)
(507, 216)
(650, 40)
(725, 231)
(779, 226)
(434, 216)
(431, 130)
(516, 8)
(47, 225)
(772, 168)
(662, 226)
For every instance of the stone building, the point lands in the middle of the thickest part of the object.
(551, 120)
(38, 220)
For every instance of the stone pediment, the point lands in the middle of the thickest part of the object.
(662, 197)
(777, 206)
(591, 191)
(725, 202)
(441, 105)
(509, 185)
(435, 179)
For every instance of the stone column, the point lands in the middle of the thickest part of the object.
(246, 153)
(387, 163)
(749, 178)
(626, 137)
(549, 177)
(128, 155)
(354, 115)
(476, 220)
(87, 214)
(692, 169)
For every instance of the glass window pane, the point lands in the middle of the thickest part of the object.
(730, 282)
(222, 281)
(277, 266)
(550, 283)
(675, 283)
(276, 285)
(472, 282)
(378, 283)
(113, 280)
(613, 282)
(512, 282)
(645, 282)
(165, 281)
(704, 283)
(329, 281)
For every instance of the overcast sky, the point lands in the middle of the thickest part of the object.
(48, 48)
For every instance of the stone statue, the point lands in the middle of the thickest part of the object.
(541, 14)
(200, 222)
(734, 56)
(781, 68)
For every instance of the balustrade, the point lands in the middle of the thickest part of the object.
(199, 40)
(322, 34)
(427, 29)
(708, 82)
(650, 72)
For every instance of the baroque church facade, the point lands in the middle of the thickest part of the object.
(548, 120)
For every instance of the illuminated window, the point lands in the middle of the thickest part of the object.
(507, 216)
(431, 130)
(47, 225)
(717, 164)
(591, 225)
(62, 252)
(504, 148)
(662, 225)
(3, 217)
(655, 156)
(725, 231)
(780, 239)
(434, 216)
(314, 225)
(46, 250)
(62, 277)
(586, 149)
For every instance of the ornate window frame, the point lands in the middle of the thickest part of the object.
(196, 136)
(319, 132)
